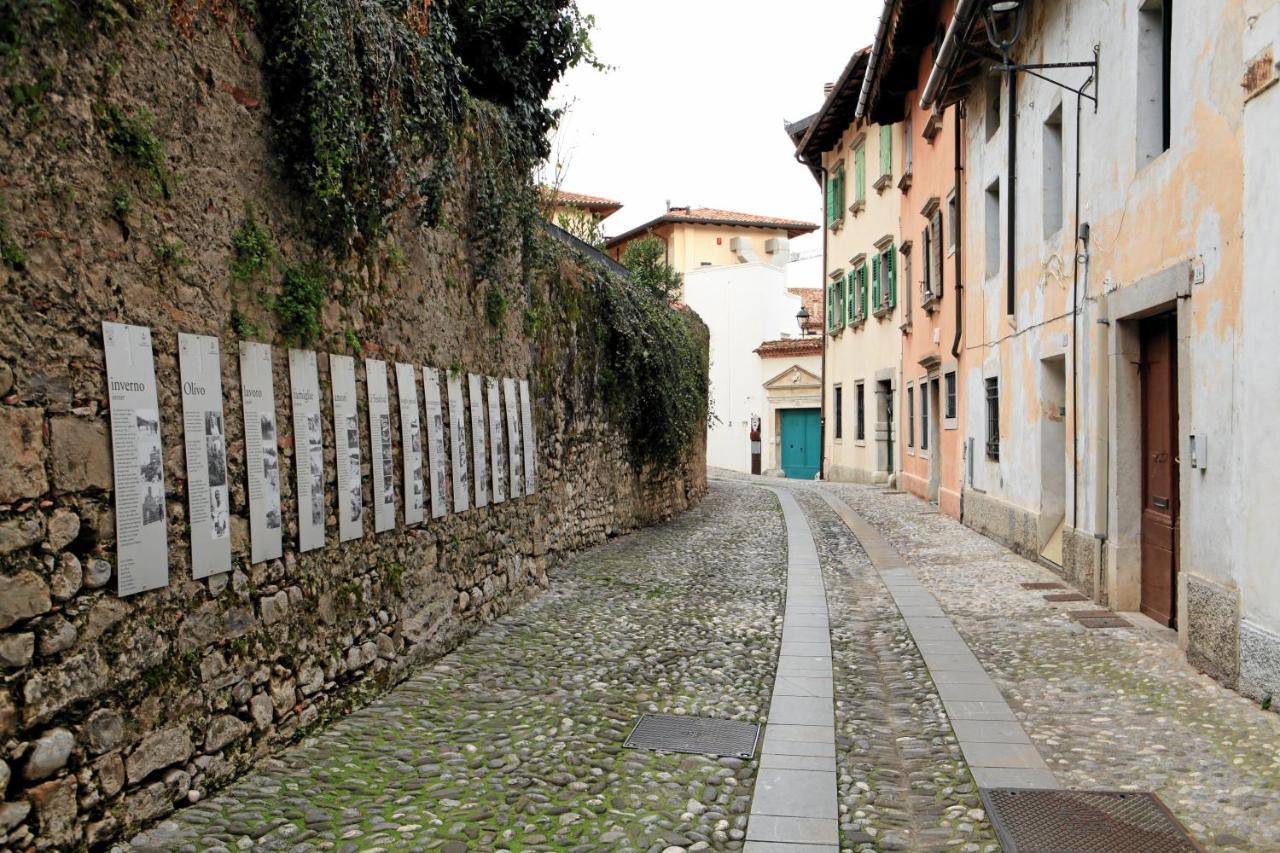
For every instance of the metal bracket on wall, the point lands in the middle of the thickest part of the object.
(1034, 68)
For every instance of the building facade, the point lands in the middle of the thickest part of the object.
(859, 165)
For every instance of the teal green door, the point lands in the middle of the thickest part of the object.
(801, 443)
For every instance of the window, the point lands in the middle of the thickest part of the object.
(835, 195)
(1155, 58)
(993, 105)
(926, 286)
(906, 277)
(911, 416)
(952, 236)
(839, 411)
(949, 386)
(861, 425)
(884, 281)
(993, 418)
(924, 416)
(858, 293)
(906, 146)
(931, 288)
(992, 223)
(886, 151)
(859, 174)
(1051, 183)
(835, 301)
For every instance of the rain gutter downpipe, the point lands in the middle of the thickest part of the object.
(822, 328)
(958, 220)
(952, 47)
(873, 61)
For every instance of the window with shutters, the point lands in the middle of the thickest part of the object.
(835, 197)
(924, 415)
(859, 177)
(991, 223)
(884, 292)
(935, 228)
(993, 417)
(876, 267)
(905, 250)
(931, 260)
(886, 158)
(911, 416)
(836, 302)
(851, 303)
(949, 401)
(858, 293)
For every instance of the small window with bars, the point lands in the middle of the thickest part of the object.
(993, 418)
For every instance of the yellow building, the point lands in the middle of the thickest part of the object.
(565, 208)
(860, 166)
(706, 237)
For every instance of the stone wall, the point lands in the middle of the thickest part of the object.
(114, 710)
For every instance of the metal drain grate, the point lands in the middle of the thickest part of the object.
(1066, 596)
(1043, 585)
(1031, 820)
(694, 734)
(1098, 619)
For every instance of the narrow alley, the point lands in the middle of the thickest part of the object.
(515, 740)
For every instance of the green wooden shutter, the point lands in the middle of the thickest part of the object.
(891, 257)
(875, 282)
(851, 298)
(862, 291)
(886, 149)
(831, 183)
(831, 313)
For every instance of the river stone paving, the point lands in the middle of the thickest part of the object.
(903, 783)
(514, 741)
(1107, 708)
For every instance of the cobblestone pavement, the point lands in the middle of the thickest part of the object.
(1107, 708)
(514, 741)
(903, 784)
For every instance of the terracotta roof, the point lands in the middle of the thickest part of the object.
(814, 302)
(790, 347)
(604, 206)
(714, 216)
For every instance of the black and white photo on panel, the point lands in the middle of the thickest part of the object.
(271, 469)
(150, 465)
(216, 459)
(315, 461)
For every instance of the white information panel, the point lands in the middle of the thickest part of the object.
(411, 443)
(475, 394)
(142, 548)
(435, 440)
(514, 444)
(261, 452)
(384, 477)
(529, 440)
(308, 447)
(497, 443)
(458, 444)
(200, 363)
(346, 432)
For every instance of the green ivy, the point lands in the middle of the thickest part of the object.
(298, 306)
(132, 136)
(253, 250)
(11, 254)
(495, 304)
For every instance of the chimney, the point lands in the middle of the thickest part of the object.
(827, 89)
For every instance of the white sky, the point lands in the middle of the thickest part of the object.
(693, 110)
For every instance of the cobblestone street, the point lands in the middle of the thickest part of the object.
(514, 741)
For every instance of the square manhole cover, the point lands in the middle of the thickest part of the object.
(702, 735)
(1032, 820)
(1066, 596)
(1043, 585)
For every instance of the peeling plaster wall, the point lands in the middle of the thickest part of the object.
(1182, 211)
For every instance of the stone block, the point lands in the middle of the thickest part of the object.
(80, 454)
(56, 636)
(104, 730)
(50, 754)
(8, 714)
(16, 650)
(1213, 629)
(12, 814)
(67, 577)
(63, 528)
(223, 731)
(22, 596)
(55, 805)
(22, 448)
(158, 750)
(97, 573)
(274, 608)
(148, 804)
(103, 616)
(1259, 664)
(110, 769)
(261, 711)
(76, 678)
(19, 533)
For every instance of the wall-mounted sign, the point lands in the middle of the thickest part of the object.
(476, 395)
(411, 443)
(346, 431)
(514, 442)
(384, 478)
(142, 547)
(261, 452)
(435, 440)
(530, 441)
(308, 447)
(458, 444)
(200, 363)
(497, 440)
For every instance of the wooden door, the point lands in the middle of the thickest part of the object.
(1160, 469)
(801, 437)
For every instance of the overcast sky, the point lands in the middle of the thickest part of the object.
(693, 110)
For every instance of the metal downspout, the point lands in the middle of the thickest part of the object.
(958, 111)
(822, 329)
(1011, 294)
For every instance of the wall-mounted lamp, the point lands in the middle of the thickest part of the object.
(802, 318)
(1004, 24)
